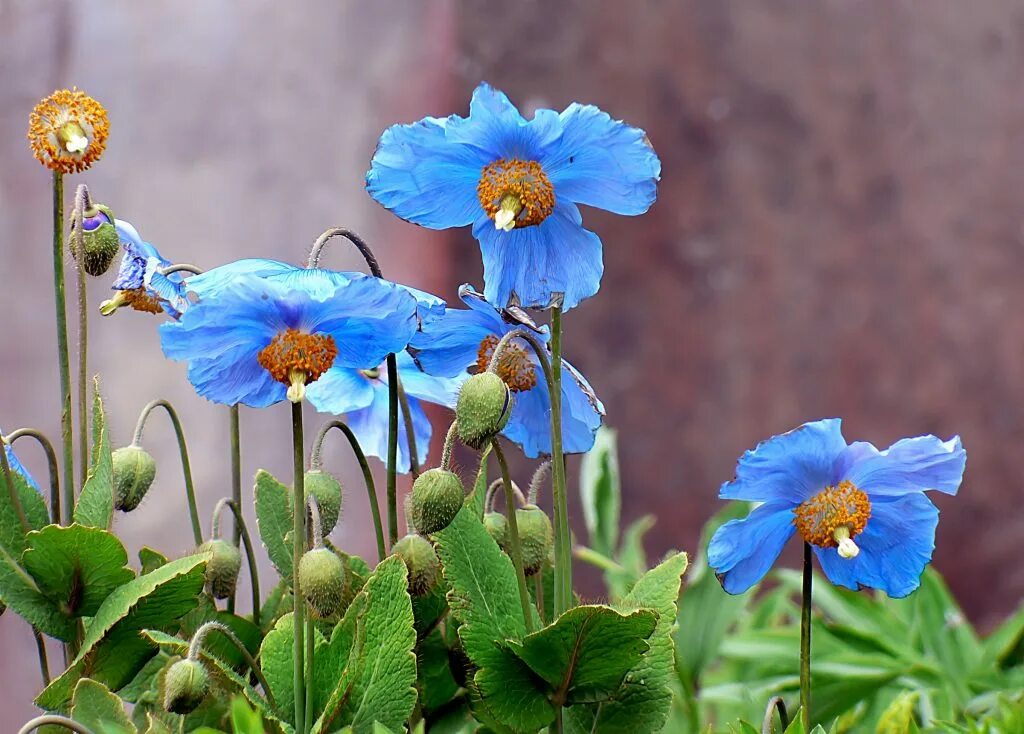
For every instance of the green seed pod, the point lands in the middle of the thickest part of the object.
(497, 527)
(186, 684)
(134, 471)
(327, 491)
(99, 240)
(222, 570)
(437, 496)
(536, 537)
(422, 562)
(322, 581)
(484, 406)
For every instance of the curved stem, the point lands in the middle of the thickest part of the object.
(563, 539)
(298, 548)
(805, 641)
(316, 525)
(595, 559)
(371, 490)
(195, 647)
(186, 467)
(250, 553)
(493, 488)
(392, 486)
(54, 720)
(181, 268)
(63, 360)
(78, 242)
(13, 492)
(449, 442)
(513, 536)
(410, 434)
(356, 240)
(51, 465)
(44, 665)
(538, 479)
(532, 340)
(776, 703)
(236, 478)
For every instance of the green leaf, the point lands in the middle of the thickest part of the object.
(274, 517)
(485, 600)
(112, 650)
(899, 715)
(585, 655)
(217, 644)
(95, 504)
(156, 726)
(76, 567)
(244, 718)
(600, 492)
(12, 534)
(945, 633)
(436, 684)
(333, 678)
(379, 728)
(277, 664)
(150, 560)
(631, 557)
(100, 710)
(475, 500)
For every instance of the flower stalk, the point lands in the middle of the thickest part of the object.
(236, 497)
(805, 640)
(196, 645)
(51, 464)
(298, 548)
(82, 202)
(513, 537)
(563, 540)
(63, 358)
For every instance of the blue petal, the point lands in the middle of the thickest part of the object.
(169, 290)
(447, 346)
(370, 425)
(17, 467)
(417, 383)
(235, 378)
(530, 266)
(910, 465)
(895, 547)
(131, 273)
(742, 551)
(790, 467)
(602, 162)
(213, 281)
(496, 129)
(340, 390)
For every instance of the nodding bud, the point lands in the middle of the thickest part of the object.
(223, 567)
(99, 240)
(536, 537)
(327, 491)
(322, 581)
(134, 471)
(484, 405)
(497, 527)
(185, 686)
(437, 496)
(421, 561)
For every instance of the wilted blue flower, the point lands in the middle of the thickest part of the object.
(518, 182)
(461, 343)
(16, 466)
(863, 510)
(139, 282)
(256, 341)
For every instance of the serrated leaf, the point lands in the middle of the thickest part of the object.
(277, 664)
(150, 560)
(12, 534)
(485, 600)
(113, 651)
(19, 592)
(600, 492)
(247, 633)
(95, 504)
(274, 518)
(76, 567)
(333, 678)
(100, 710)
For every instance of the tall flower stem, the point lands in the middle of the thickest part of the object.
(250, 553)
(805, 641)
(310, 632)
(315, 462)
(513, 537)
(63, 360)
(563, 540)
(186, 466)
(78, 243)
(44, 665)
(51, 465)
(54, 720)
(410, 434)
(236, 486)
(392, 448)
(298, 548)
(196, 645)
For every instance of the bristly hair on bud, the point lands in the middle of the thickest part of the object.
(186, 684)
(134, 471)
(322, 581)
(421, 561)
(536, 537)
(483, 409)
(67, 131)
(437, 496)
(222, 570)
(93, 230)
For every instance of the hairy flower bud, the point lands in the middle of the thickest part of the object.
(497, 527)
(223, 567)
(421, 561)
(185, 686)
(327, 491)
(437, 497)
(536, 537)
(322, 581)
(483, 409)
(99, 239)
(134, 471)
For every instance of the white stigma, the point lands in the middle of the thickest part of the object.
(297, 388)
(505, 220)
(847, 548)
(76, 143)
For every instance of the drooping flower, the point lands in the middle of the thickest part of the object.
(257, 341)
(863, 511)
(15, 465)
(519, 183)
(140, 283)
(68, 131)
(461, 343)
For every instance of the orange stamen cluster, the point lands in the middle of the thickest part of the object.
(515, 367)
(293, 351)
(844, 505)
(525, 180)
(63, 111)
(140, 300)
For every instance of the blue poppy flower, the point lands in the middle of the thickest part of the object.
(461, 343)
(519, 183)
(864, 511)
(16, 466)
(256, 341)
(139, 282)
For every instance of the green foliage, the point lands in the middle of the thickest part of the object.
(95, 505)
(97, 708)
(601, 492)
(274, 517)
(150, 560)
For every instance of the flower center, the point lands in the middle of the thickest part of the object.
(515, 193)
(515, 367)
(68, 131)
(833, 517)
(136, 298)
(296, 359)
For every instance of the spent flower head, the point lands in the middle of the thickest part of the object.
(68, 131)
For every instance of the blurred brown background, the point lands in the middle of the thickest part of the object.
(839, 229)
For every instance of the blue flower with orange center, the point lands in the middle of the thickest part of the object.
(140, 284)
(519, 183)
(461, 343)
(864, 511)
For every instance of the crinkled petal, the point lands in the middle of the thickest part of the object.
(447, 346)
(603, 162)
(742, 551)
(895, 547)
(213, 281)
(234, 378)
(131, 273)
(530, 266)
(370, 425)
(496, 129)
(168, 289)
(340, 390)
(910, 465)
(790, 467)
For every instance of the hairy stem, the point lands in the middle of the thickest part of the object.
(805, 641)
(51, 465)
(392, 487)
(63, 359)
(563, 539)
(410, 435)
(449, 442)
(236, 482)
(44, 665)
(78, 242)
(775, 704)
(298, 548)
(196, 645)
(54, 720)
(513, 537)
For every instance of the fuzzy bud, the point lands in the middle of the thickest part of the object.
(134, 471)
(99, 240)
(497, 527)
(222, 570)
(437, 496)
(185, 686)
(327, 491)
(536, 537)
(322, 581)
(422, 562)
(484, 406)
